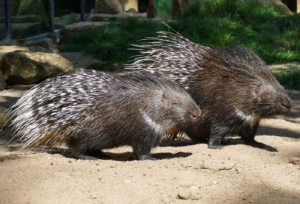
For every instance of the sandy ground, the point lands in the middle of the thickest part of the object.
(183, 173)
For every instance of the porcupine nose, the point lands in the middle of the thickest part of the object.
(286, 104)
(194, 113)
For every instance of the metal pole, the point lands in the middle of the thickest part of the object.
(82, 5)
(8, 20)
(51, 19)
(123, 6)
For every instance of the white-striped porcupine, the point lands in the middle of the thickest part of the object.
(91, 110)
(232, 85)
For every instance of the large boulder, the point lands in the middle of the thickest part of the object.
(10, 48)
(24, 67)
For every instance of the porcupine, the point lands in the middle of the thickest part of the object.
(232, 85)
(91, 110)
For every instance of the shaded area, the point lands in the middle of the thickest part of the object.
(272, 131)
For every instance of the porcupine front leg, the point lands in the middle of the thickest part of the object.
(217, 133)
(142, 152)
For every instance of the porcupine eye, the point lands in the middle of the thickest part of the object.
(176, 102)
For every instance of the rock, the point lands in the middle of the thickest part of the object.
(294, 160)
(8, 155)
(107, 17)
(218, 165)
(54, 162)
(9, 42)
(10, 48)
(114, 6)
(65, 20)
(281, 7)
(131, 5)
(3, 84)
(46, 43)
(38, 49)
(3, 116)
(20, 30)
(108, 6)
(24, 67)
(25, 19)
(189, 194)
(77, 27)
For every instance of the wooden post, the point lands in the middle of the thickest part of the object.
(8, 20)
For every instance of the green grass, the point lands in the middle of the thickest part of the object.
(257, 26)
(289, 79)
(110, 43)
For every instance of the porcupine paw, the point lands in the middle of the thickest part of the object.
(215, 144)
(146, 157)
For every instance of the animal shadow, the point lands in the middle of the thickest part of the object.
(255, 144)
(124, 156)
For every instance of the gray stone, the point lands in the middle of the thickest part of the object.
(218, 164)
(2, 82)
(108, 6)
(189, 194)
(38, 49)
(107, 17)
(21, 30)
(65, 20)
(26, 19)
(24, 67)
(46, 43)
(83, 26)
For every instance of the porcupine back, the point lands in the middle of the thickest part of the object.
(231, 84)
(90, 111)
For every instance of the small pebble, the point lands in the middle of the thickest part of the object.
(187, 194)
(54, 162)
(294, 160)
(218, 165)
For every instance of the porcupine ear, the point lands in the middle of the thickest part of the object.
(165, 96)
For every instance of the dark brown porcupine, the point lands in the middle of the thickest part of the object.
(232, 85)
(90, 111)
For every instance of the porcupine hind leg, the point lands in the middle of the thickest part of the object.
(248, 133)
(81, 150)
(217, 134)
